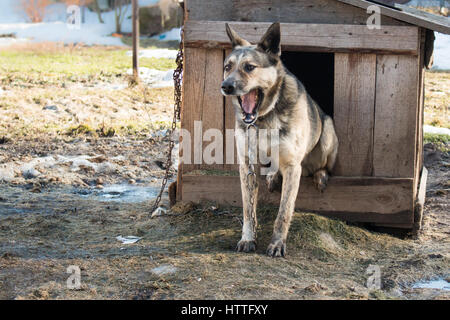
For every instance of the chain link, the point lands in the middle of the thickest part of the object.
(177, 79)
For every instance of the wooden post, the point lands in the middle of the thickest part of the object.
(135, 39)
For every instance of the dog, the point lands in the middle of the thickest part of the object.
(266, 95)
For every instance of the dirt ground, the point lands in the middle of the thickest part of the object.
(68, 190)
(189, 252)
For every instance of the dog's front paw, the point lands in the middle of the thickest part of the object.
(277, 248)
(246, 246)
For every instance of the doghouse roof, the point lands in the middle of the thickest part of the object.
(397, 10)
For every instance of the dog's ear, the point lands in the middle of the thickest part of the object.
(235, 39)
(270, 41)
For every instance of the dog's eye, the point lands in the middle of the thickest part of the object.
(249, 67)
(227, 67)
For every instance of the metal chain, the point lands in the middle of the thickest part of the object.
(251, 154)
(177, 79)
(251, 176)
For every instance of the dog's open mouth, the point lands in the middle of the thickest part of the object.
(250, 103)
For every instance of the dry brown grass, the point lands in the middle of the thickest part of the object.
(52, 47)
(136, 110)
(327, 259)
(437, 99)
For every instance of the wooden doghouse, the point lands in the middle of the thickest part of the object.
(371, 81)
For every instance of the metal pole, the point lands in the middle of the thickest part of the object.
(135, 39)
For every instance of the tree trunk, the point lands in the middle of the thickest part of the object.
(118, 14)
(96, 8)
(118, 26)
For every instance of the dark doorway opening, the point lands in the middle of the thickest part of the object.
(316, 72)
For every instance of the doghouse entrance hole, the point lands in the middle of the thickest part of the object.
(316, 72)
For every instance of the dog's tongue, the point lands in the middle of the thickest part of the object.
(249, 101)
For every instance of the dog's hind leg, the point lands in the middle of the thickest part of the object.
(330, 143)
(291, 182)
(274, 181)
(249, 187)
(323, 157)
(321, 179)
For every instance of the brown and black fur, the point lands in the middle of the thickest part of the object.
(308, 142)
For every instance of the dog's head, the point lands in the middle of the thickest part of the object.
(251, 71)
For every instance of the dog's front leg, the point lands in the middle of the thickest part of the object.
(249, 187)
(291, 182)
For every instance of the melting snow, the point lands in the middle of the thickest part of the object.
(440, 284)
(436, 130)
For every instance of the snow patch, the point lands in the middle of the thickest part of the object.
(155, 78)
(156, 53)
(7, 172)
(123, 193)
(440, 284)
(88, 34)
(441, 52)
(436, 130)
(54, 27)
(31, 169)
(164, 269)
(128, 239)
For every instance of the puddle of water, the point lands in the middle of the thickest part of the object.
(440, 284)
(122, 193)
(5, 210)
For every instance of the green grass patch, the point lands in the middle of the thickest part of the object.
(442, 141)
(80, 130)
(82, 64)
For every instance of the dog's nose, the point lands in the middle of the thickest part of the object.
(228, 87)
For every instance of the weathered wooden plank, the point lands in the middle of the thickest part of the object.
(306, 11)
(213, 105)
(420, 200)
(193, 91)
(202, 102)
(419, 114)
(409, 15)
(395, 116)
(303, 11)
(230, 123)
(356, 199)
(214, 10)
(308, 37)
(354, 99)
(419, 149)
